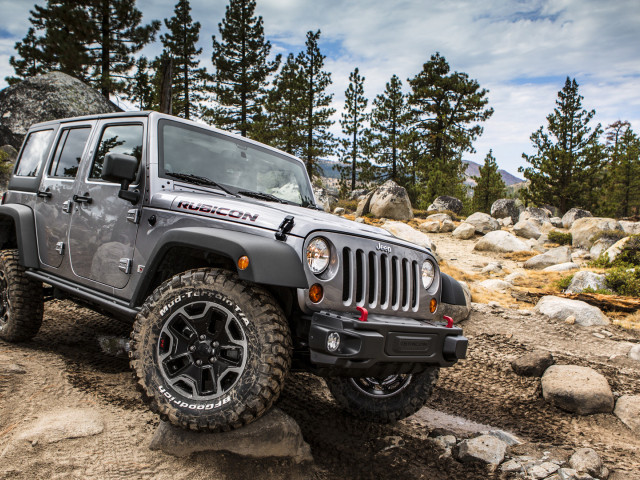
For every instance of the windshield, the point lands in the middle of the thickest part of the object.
(243, 168)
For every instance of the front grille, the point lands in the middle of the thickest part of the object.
(379, 281)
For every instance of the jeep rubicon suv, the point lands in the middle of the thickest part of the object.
(213, 246)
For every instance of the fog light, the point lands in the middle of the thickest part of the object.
(433, 304)
(333, 341)
(316, 293)
(243, 262)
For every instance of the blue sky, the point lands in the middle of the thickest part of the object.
(521, 51)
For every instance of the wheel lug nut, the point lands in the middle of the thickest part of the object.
(212, 359)
(192, 348)
(215, 344)
(203, 337)
(198, 362)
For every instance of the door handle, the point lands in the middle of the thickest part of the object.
(44, 193)
(82, 198)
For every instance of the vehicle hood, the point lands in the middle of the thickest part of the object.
(267, 215)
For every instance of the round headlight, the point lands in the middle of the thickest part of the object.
(318, 255)
(428, 273)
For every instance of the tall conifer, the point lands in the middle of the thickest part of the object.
(489, 185)
(353, 127)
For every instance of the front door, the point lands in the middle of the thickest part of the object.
(103, 227)
(53, 204)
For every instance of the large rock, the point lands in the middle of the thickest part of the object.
(630, 228)
(500, 242)
(628, 411)
(505, 207)
(496, 284)
(601, 245)
(459, 312)
(464, 231)
(532, 364)
(624, 245)
(634, 353)
(363, 205)
(538, 215)
(577, 389)
(325, 198)
(527, 229)
(584, 280)
(572, 215)
(52, 427)
(482, 449)
(390, 200)
(558, 308)
(439, 222)
(586, 460)
(405, 232)
(484, 223)
(43, 98)
(561, 267)
(274, 435)
(585, 230)
(550, 257)
(445, 203)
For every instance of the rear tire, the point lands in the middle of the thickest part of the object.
(384, 400)
(21, 300)
(210, 351)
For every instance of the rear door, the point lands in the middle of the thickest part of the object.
(104, 227)
(53, 203)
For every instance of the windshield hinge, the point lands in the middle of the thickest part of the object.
(284, 228)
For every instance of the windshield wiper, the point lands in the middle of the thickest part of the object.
(263, 196)
(197, 179)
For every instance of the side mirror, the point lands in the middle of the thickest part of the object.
(120, 168)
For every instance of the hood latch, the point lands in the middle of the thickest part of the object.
(284, 228)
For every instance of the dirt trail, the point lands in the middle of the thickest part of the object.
(65, 367)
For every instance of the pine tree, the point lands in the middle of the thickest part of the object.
(117, 35)
(446, 108)
(241, 67)
(189, 81)
(567, 169)
(141, 88)
(386, 139)
(623, 188)
(489, 185)
(352, 122)
(30, 61)
(281, 124)
(317, 120)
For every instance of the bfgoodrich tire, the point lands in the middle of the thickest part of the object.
(21, 300)
(210, 351)
(384, 400)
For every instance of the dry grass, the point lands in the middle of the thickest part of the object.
(521, 256)
(458, 274)
(348, 205)
(630, 321)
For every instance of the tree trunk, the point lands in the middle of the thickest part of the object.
(166, 85)
(106, 50)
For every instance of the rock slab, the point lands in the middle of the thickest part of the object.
(585, 230)
(586, 460)
(505, 207)
(500, 242)
(532, 364)
(558, 308)
(584, 280)
(572, 215)
(484, 449)
(390, 200)
(405, 232)
(58, 425)
(274, 435)
(445, 203)
(628, 411)
(577, 389)
(554, 256)
(483, 223)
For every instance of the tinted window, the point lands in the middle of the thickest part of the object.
(34, 152)
(125, 139)
(69, 152)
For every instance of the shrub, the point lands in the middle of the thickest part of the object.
(628, 258)
(556, 236)
(348, 205)
(613, 235)
(624, 281)
(564, 282)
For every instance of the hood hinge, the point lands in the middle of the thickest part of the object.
(284, 228)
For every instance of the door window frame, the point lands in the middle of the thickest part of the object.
(61, 132)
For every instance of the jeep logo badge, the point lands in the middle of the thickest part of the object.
(383, 248)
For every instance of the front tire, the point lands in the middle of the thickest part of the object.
(21, 300)
(210, 351)
(384, 400)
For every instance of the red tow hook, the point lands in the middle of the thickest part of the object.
(449, 321)
(363, 314)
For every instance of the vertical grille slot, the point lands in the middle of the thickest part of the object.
(406, 283)
(415, 285)
(360, 277)
(395, 277)
(384, 281)
(373, 279)
(346, 274)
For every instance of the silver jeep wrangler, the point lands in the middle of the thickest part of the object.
(213, 247)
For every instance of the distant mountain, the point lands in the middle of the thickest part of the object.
(473, 170)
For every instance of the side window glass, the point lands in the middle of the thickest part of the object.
(69, 153)
(126, 139)
(34, 153)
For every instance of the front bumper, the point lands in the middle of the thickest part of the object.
(383, 340)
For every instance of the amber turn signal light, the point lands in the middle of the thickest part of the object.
(243, 262)
(315, 293)
(433, 304)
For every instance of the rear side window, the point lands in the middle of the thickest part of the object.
(69, 152)
(125, 139)
(34, 153)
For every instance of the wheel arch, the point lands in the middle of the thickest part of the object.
(17, 230)
(272, 263)
(452, 291)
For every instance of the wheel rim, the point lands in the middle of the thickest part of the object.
(381, 387)
(202, 350)
(5, 305)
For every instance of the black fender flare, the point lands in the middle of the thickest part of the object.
(271, 262)
(452, 292)
(25, 230)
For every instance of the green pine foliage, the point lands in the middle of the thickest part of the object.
(447, 108)
(241, 68)
(623, 186)
(567, 169)
(141, 88)
(353, 127)
(189, 85)
(489, 185)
